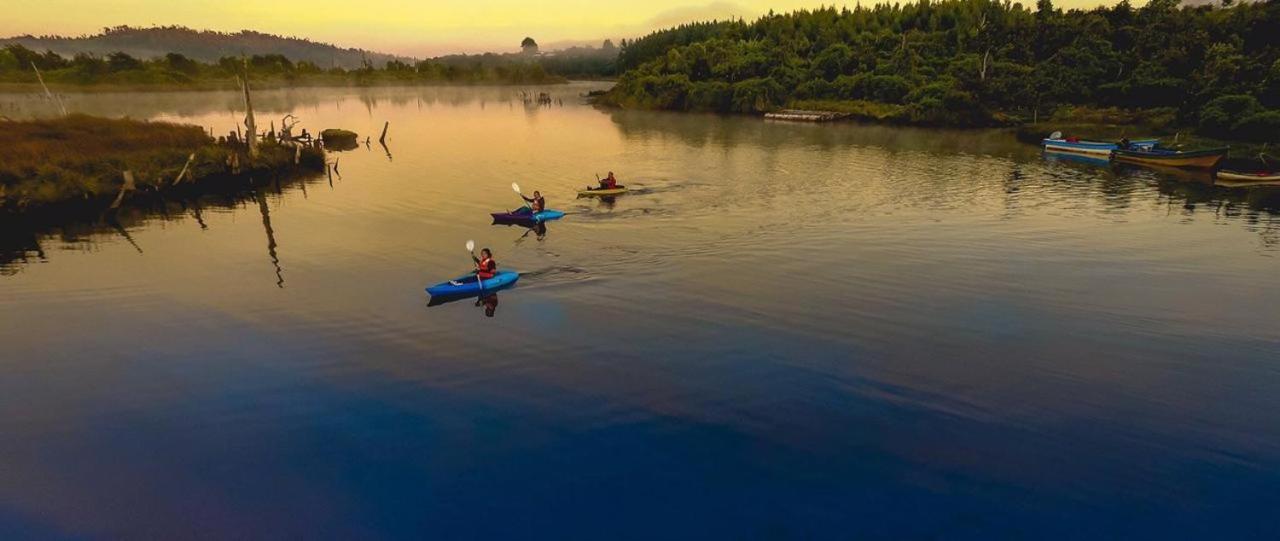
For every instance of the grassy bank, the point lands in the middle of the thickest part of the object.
(82, 159)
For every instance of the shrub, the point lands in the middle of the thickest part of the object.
(1263, 127)
(710, 96)
(1220, 115)
(850, 87)
(757, 95)
(815, 90)
(667, 91)
(887, 88)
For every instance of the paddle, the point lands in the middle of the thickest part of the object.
(516, 188)
(471, 247)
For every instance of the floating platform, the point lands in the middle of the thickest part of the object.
(806, 116)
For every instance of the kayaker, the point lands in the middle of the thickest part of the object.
(486, 267)
(537, 202)
(610, 182)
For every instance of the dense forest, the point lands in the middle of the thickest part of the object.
(178, 71)
(974, 62)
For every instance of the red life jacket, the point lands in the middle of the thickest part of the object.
(486, 268)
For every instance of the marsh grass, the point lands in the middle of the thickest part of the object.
(79, 157)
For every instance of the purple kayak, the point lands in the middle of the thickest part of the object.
(524, 216)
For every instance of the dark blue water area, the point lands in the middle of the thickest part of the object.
(262, 448)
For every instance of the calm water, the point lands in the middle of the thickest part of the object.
(787, 331)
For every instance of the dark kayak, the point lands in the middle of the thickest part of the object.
(523, 216)
(468, 285)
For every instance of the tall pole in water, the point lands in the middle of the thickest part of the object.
(249, 124)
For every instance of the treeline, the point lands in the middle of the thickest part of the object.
(201, 45)
(177, 70)
(583, 62)
(571, 63)
(974, 62)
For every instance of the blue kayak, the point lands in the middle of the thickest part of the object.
(524, 216)
(468, 285)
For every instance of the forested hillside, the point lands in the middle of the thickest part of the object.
(211, 59)
(200, 45)
(974, 62)
(176, 71)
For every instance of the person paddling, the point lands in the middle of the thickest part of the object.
(537, 203)
(486, 267)
(609, 183)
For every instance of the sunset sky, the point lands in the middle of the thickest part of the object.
(416, 28)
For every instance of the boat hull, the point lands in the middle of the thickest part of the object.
(524, 218)
(1200, 159)
(1238, 176)
(597, 192)
(468, 285)
(1093, 149)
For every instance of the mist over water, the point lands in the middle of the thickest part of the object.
(784, 330)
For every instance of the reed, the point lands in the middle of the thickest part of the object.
(79, 157)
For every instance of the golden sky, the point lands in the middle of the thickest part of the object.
(416, 28)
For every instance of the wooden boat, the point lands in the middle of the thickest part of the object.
(1261, 176)
(1195, 159)
(1096, 149)
(1232, 178)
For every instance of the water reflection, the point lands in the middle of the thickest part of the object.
(487, 300)
(81, 228)
(265, 211)
(278, 102)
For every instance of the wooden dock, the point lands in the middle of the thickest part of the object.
(806, 116)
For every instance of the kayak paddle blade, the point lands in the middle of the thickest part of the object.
(471, 245)
(515, 187)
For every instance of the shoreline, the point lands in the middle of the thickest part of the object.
(1085, 122)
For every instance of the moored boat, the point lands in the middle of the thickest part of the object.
(1194, 159)
(1098, 149)
(1249, 176)
(1244, 179)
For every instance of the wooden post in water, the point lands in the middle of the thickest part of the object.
(185, 167)
(251, 127)
(383, 139)
(128, 185)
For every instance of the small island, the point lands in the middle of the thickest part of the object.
(95, 163)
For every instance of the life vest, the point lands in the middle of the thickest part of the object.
(539, 204)
(486, 268)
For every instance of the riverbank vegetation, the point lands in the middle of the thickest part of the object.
(79, 158)
(976, 63)
(176, 71)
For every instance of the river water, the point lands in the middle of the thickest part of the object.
(784, 331)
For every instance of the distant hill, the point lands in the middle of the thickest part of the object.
(201, 45)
